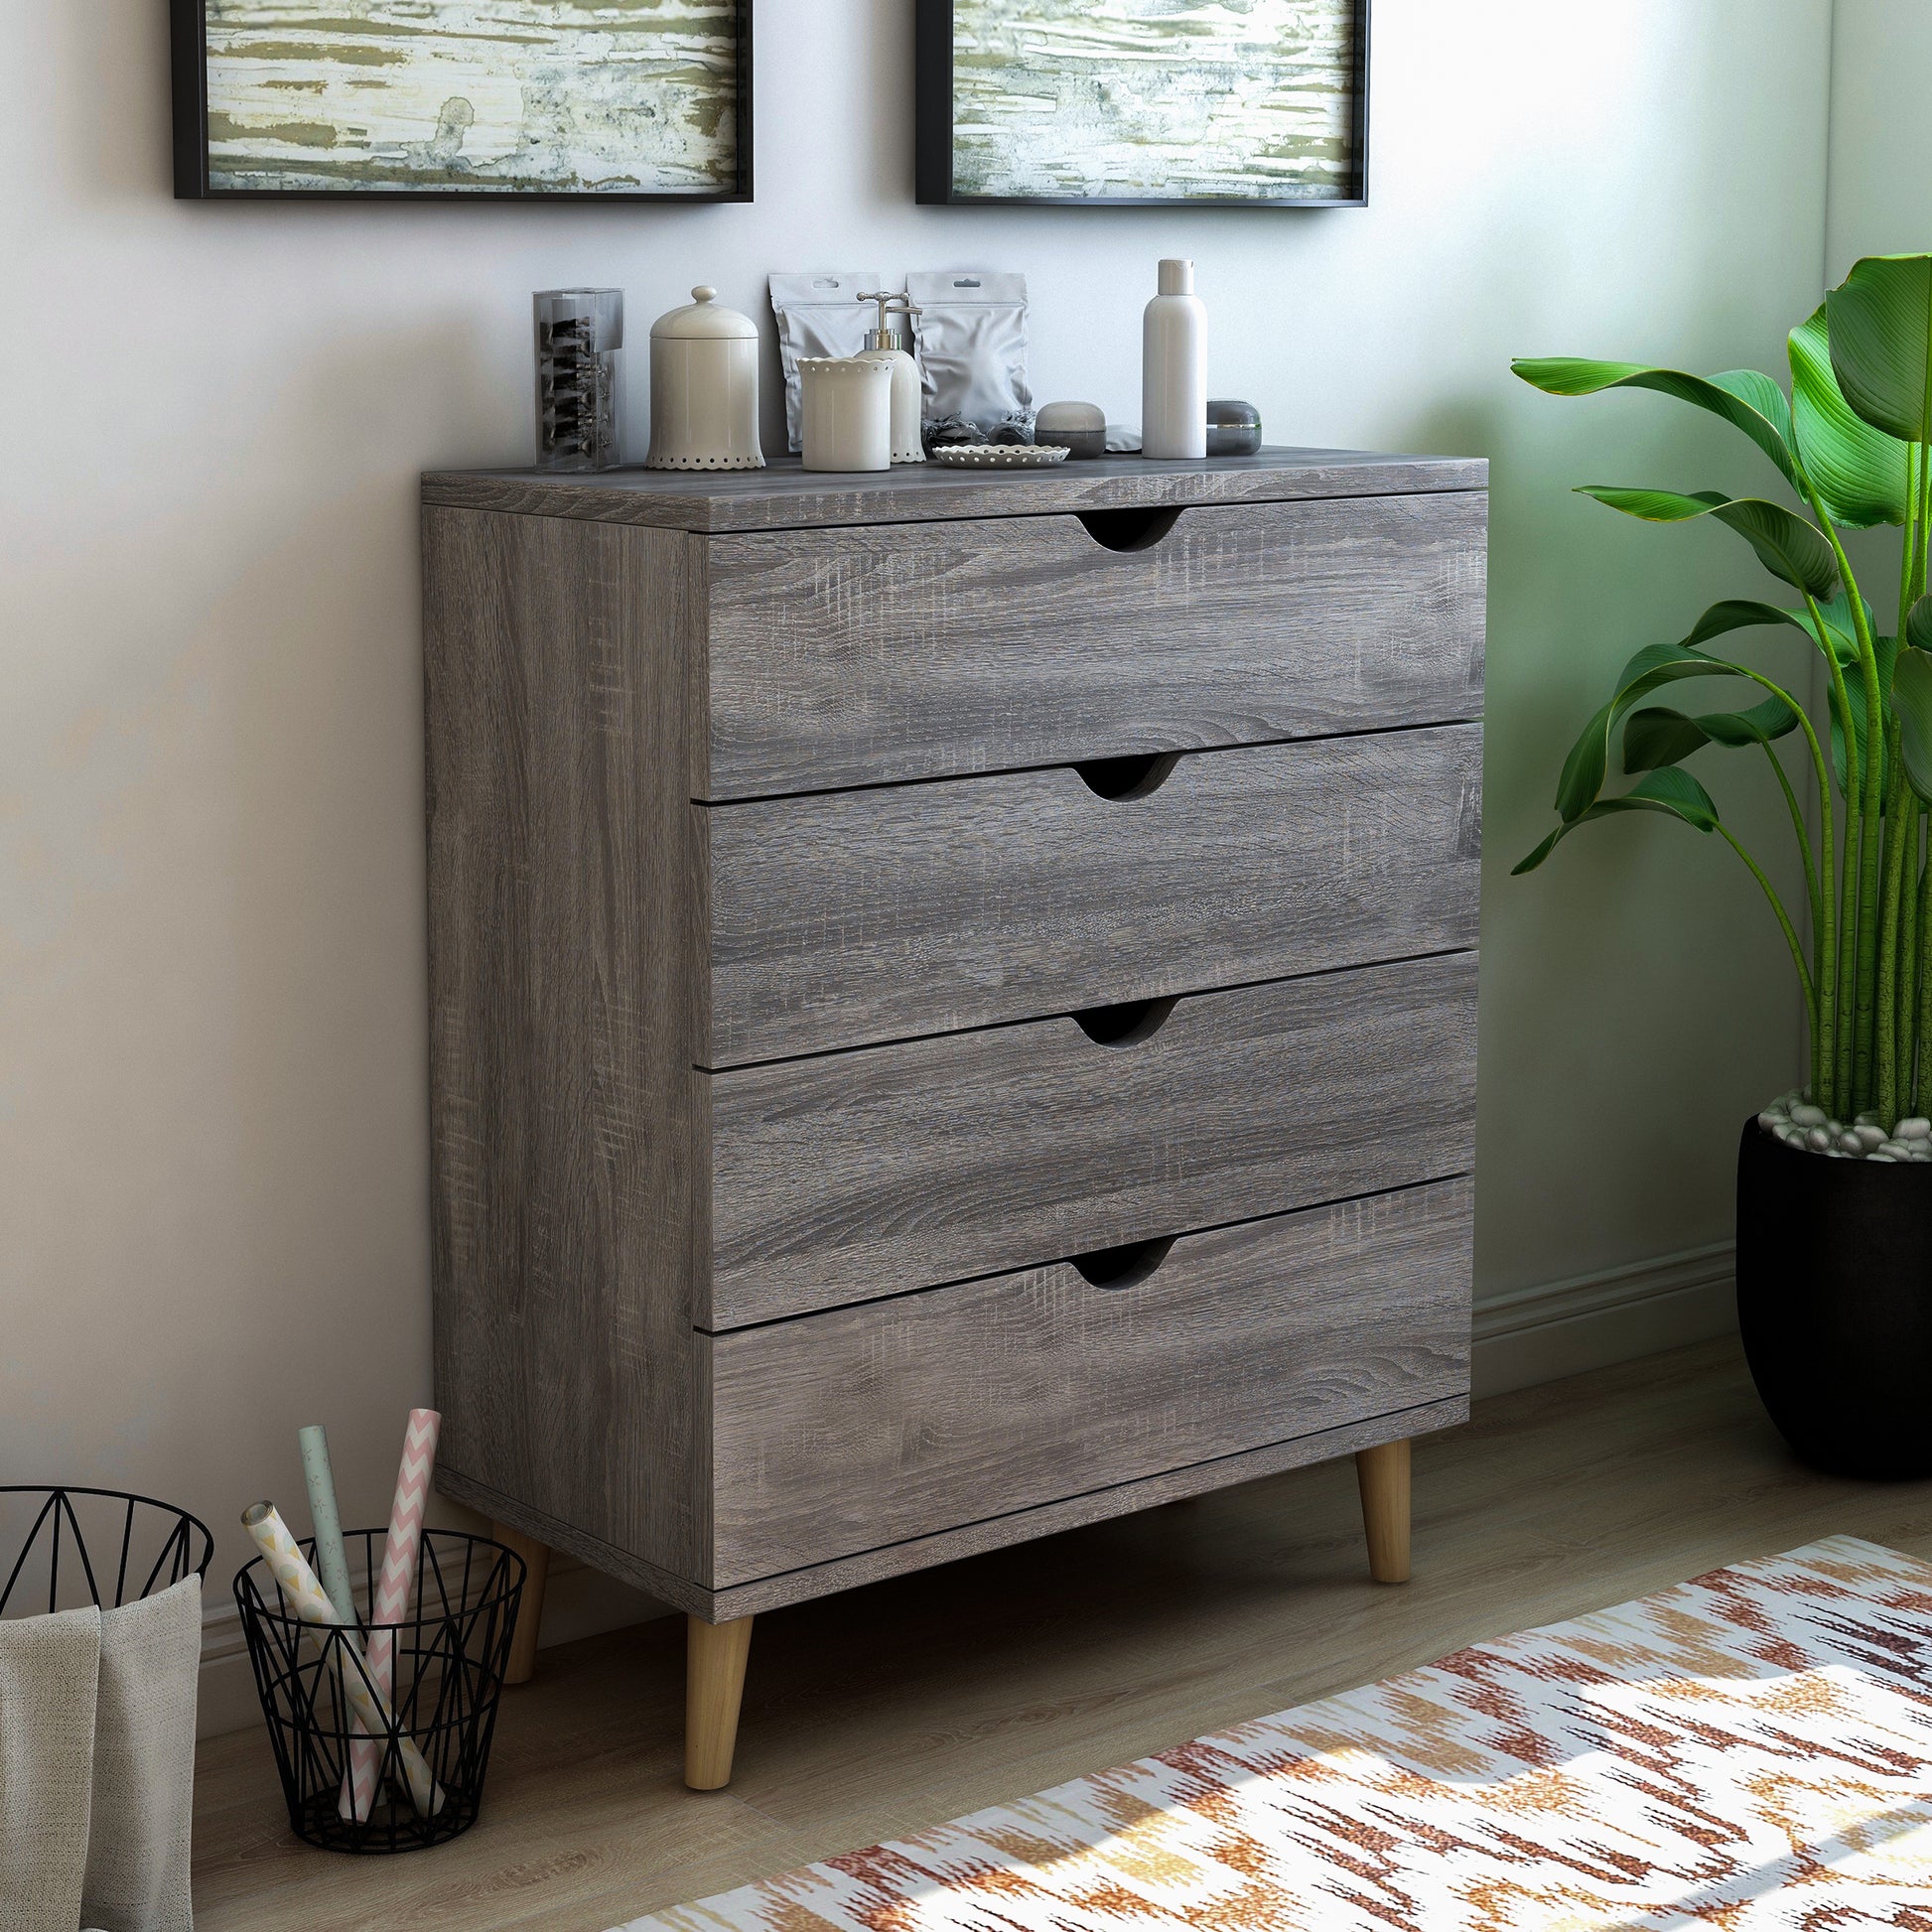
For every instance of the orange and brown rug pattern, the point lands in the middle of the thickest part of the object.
(1748, 1750)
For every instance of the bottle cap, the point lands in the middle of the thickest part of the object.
(1176, 277)
(886, 335)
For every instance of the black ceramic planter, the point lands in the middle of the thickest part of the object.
(1835, 1300)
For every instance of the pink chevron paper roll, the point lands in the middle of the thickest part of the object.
(310, 1602)
(391, 1602)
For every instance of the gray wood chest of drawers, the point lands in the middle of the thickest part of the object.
(953, 996)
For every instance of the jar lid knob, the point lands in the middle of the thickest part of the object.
(703, 292)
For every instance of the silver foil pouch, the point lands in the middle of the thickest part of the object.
(818, 313)
(972, 334)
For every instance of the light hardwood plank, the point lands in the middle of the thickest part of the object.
(911, 1702)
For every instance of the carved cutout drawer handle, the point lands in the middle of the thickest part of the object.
(1124, 1267)
(1130, 529)
(1126, 1024)
(1134, 777)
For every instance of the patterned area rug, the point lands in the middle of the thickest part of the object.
(1753, 1749)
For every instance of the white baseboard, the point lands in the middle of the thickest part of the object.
(1537, 1334)
(1541, 1334)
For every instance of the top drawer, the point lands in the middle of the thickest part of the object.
(879, 652)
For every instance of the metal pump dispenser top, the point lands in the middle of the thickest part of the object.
(886, 335)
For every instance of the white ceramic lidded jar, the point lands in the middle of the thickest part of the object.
(704, 388)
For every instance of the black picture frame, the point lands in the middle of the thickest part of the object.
(188, 51)
(933, 143)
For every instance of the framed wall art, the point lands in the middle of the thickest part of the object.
(634, 101)
(1143, 103)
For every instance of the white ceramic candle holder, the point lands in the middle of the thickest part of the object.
(847, 413)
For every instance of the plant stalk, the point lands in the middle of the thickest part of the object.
(1866, 919)
(1885, 1050)
(1922, 1091)
(1839, 886)
(1910, 912)
(1777, 906)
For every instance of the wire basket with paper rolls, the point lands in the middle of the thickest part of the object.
(381, 1730)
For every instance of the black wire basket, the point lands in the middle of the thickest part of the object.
(66, 1547)
(448, 1661)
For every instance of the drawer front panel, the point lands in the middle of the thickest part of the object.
(866, 1173)
(884, 653)
(885, 913)
(862, 1427)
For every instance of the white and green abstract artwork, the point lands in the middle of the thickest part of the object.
(470, 96)
(1148, 100)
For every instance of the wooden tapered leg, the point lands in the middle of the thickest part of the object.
(1384, 1477)
(713, 1684)
(529, 1614)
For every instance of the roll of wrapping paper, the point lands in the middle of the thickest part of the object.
(391, 1602)
(332, 1557)
(304, 1593)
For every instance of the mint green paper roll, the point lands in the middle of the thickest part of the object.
(332, 1558)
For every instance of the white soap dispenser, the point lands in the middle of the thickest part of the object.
(1174, 368)
(886, 343)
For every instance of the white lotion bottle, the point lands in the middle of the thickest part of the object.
(1174, 368)
(892, 347)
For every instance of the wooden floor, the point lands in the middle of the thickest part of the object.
(909, 1703)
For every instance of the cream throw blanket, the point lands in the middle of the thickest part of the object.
(97, 1766)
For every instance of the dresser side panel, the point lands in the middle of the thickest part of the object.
(565, 925)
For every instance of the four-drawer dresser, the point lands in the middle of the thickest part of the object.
(952, 1006)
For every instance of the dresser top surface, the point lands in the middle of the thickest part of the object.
(785, 496)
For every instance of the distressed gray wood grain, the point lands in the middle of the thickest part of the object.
(890, 1168)
(843, 1432)
(859, 656)
(969, 1538)
(785, 496)
(565, 899)
(882, 913)
(595, 1194)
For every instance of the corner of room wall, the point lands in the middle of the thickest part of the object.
(212, 1132)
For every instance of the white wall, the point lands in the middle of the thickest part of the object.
(212, 418)
(1880, 181)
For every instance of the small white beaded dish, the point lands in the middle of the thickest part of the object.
(999, 456)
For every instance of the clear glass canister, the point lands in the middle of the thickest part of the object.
(579, 333)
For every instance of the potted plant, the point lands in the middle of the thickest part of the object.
(1833, 1179)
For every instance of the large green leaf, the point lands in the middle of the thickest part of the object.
(1787, 545)
(1745, 398)
(1880, 320)
(1586, 767)
(1671, 791)
(1911, 700)
(1839, 635)
(1918, 624)
(1858, 471)
(1659, 736)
